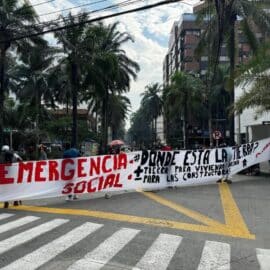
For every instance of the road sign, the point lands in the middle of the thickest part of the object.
(217, 135)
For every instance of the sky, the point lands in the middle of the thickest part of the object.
(150, 30)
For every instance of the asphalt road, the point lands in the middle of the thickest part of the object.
(215, 226)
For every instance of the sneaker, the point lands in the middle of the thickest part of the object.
(69, 198)
(75, 197)
(107, 196)
(219, 181)
(6, 204)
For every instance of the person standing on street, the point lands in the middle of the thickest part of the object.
(226, 177)
(8, 157)
(71, 153)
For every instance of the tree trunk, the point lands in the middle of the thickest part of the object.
(185, 116)
(37, 120)
(104, 140)
(155, 131)
(2, 94)
(210, 128)
(74, 83)
(231, 84)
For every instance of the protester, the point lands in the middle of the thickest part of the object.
(226, 176)
(42, 152)
(8, 157)
(71, 153)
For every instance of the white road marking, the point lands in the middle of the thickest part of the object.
(4, 216)
(97, 258)
(17, 223)
(159, 255)
(215, 256)
(263, 256)
(28, 235)
(49, 251)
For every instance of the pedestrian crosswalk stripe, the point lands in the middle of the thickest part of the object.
(159, 255)
(97, 258)
(3, 216)
(263, 256)
(28, 235)
(49, 251)
(17, 223)
(216, 256)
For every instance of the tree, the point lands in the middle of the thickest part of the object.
(140, 131)
(255, 75)
(222, 28)
(33, 89)
(97, 65)
(118, 109)
(114, 69)
(182, 97)
(152, 101)
(216, 99)
(76, 49)
(14, 21)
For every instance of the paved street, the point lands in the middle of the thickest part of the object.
(203, 227)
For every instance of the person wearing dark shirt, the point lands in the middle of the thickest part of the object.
(8, 157)
(71, 152)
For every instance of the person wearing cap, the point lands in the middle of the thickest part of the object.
(8, 157)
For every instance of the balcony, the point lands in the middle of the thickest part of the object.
(188, 53)
(191, 40)
(192, 66)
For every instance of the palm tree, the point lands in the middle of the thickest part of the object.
(255, 75)
(97, 65)
(258, 96)
(216, 99)
(118, 109)
(152, 101)
(181, 97)
(112, 69)
(140, 131)
(222, 28)
(76, 50)
(14, 21)
(33, 89)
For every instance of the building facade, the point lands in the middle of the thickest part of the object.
(181, 56)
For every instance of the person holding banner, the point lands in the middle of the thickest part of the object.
(71, 153)
(225, 177)
(8, 157)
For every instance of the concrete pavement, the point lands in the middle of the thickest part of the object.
(203, 227)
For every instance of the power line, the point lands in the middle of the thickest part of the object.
(64, 19)
(71, 8)
(38, 4)
(42, 3)
(166, 2)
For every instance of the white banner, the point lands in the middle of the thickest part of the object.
(147, 170)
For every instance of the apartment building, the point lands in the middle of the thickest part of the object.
(181, 56)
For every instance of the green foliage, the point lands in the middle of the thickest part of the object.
(181, 99)
(140, 131)
(59, 129)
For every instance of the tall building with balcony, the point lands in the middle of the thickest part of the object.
(183, 42)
